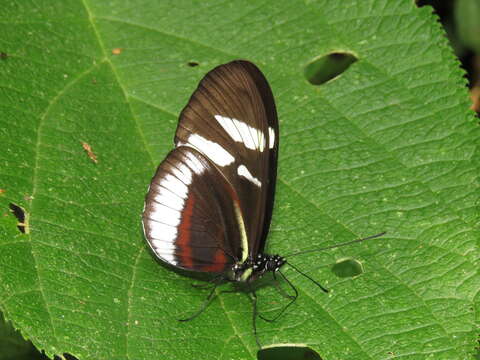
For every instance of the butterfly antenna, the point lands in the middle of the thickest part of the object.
(308, 277)
(336, 245)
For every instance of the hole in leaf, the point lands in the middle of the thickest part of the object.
(347, 268)
(288, 353)
(21, 216)
(193, 63)
(328, 67)
(65, 356)
(68, 356)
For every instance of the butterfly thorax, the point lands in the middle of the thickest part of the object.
(255, 267)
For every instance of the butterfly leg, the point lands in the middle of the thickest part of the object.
(207, 300)
(254, 320)
(209, 283)
(292, 298)
(283, 292)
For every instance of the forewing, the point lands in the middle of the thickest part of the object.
(231, 119)
(189, 219)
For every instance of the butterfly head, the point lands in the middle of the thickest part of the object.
(255, 267)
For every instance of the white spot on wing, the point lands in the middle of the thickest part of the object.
(165, 215)
(195, 164)
(166, 203)
(162, 233)
(168, 258)
(239, 131)
(229, 127)
(184, 173)
(164, 196)
(210, 149)
(163, 246)
(178, 187)
(243, 171)
(271, 137)
(261, 140)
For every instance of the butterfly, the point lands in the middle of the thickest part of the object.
(209, 205)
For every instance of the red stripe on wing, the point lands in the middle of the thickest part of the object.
(183, 239)
(218, 264)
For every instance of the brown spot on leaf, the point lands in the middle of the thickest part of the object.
(89, 151)
(117, 51)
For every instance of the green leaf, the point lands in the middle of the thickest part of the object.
(389, 145)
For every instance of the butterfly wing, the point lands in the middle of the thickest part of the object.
(190, 219)
(232, 120)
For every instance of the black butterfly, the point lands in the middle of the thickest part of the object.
(209, 205)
